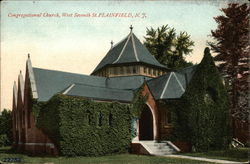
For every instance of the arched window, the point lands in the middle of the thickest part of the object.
(29, 118)
(110, 119)
(100, 119)
(115, 70)
(110, 70)
(134, 70)
(154, 72)
(168, 117)
(23, 117)
(16, 120)
(104, 72)
(87, 119)
(149, 71)
(128, 70)
(121, 70)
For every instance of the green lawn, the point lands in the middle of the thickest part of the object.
(111, 159)
(239, 154)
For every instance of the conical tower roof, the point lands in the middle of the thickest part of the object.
(128, 50)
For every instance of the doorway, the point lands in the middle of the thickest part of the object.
(146, 124)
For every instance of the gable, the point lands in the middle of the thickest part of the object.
(169, 86)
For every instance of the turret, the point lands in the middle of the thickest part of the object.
(127, 58)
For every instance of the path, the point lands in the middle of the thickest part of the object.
(205, 159)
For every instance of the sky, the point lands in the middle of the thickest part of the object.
(77, 44)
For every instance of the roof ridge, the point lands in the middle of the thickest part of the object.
(135, 51)
(69, 72)
(129, 76)
(166, 85)
(179, 82)
(32, 78)
(21, 85)
(123, 48)
(119, 42)
(15, 93)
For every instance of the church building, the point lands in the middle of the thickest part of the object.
(126, 67)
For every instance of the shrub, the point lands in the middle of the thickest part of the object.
(6, 125)
(4, 141)
(83, 127)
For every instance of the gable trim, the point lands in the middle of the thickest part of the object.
(32, 79)
(165, 87)
(135, 52)
(15, 94)
(119, 42)
(179, 83)
(123, 49)
(68, 89)
(21, 86)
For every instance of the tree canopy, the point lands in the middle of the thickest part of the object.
(5, 127)
(168, 47)
(231, 45)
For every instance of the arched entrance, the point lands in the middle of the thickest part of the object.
(146, 124)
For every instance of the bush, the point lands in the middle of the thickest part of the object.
(6, 125)
(4, 141)
(87, 128)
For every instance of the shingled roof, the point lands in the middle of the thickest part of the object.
(51, 82)
(99, 93)
(128, 50)
(46, 83)
(171, 85)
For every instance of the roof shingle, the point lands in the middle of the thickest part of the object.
(50, 82)
(171, 85)
(129, 50)
(100, 93)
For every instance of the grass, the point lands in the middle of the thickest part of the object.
(235, 154)
(110, 159)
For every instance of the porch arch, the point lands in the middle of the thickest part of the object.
(154, 126)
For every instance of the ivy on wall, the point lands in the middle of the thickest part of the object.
(88, 128)
(201, 117)
(138, 102)
(84, 127)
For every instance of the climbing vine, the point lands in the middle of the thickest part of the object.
(83, 127)
(201, 117)
(138, 102)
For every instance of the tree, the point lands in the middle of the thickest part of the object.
(231, 45)
(168, 47)
(201, 115)
(6, 127)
